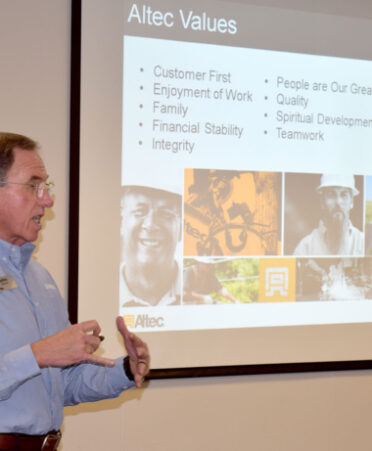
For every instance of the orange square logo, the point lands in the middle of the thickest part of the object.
(129, 321)
(277, 280)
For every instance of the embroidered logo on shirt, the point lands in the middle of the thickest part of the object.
(7, 283)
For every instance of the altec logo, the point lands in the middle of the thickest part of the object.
(145, 321)
(277, 280)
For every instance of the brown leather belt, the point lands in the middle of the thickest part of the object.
(23, 442)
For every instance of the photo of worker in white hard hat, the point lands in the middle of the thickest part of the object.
(323, 214)
(150, 234)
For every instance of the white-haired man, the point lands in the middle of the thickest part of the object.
(45, 362)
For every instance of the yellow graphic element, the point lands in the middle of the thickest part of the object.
(130, 321)
(277, 280)
(230, 212)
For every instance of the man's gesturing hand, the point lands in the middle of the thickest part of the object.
(139, 357)
(73, 345)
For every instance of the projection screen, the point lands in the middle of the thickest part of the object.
(225, 181)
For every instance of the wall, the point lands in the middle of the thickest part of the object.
(322, 411)
(34, 93)
(307, 412)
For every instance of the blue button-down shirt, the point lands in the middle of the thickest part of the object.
(31, 308)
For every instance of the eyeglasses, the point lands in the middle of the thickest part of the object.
(39, 188)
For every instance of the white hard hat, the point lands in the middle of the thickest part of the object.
(346, 181)
(171, 181)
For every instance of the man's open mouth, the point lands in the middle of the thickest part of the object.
(149, 242)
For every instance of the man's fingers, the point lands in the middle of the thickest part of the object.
(142, 370)
(120, 323)
(91, 345)
(129, 338)
(90, 326)
(142, 367)
(139, 357)
(142, 351)
(138, 381)
(122, 328)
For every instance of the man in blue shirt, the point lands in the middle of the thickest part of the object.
(45, 362)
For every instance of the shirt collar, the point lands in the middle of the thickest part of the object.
(171, 297)
(322, 227)
(18, 255)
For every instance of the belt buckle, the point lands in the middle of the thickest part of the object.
(51, 441)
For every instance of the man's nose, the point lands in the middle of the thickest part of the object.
(46, 200)
(150, 219)
(339, 199)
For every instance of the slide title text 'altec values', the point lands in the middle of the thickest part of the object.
(189, 20)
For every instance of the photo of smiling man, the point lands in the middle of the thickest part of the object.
(150, 235)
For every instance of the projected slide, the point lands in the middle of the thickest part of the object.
(245, 195)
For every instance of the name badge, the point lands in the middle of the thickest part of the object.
(7, 283)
